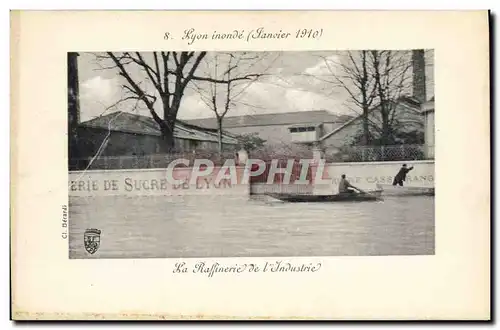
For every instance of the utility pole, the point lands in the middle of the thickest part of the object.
(73, 109)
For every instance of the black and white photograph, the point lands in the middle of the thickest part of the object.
(203, 154)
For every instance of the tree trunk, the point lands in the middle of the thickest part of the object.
(366, 128)
(364, 94)
(385, 127)
(384, 100)
(167, 125)
(219, 126)
(167, 133)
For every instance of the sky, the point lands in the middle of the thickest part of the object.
(293, 81)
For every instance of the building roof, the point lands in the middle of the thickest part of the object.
(409, 103)
(287, 118)
(132, 123)
(305, 124)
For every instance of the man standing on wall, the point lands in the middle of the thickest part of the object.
(401, 176)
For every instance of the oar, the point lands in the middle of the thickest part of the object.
(361, 191)
(364, 192)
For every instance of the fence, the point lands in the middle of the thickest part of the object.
(144, 161)
(345, 154)
(380, 153)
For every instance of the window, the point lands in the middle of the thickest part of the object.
(302, 129)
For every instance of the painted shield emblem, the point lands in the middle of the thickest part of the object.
(92, 240)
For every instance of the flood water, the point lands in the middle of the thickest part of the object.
(220, 226)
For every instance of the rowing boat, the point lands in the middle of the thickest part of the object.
(303, 198)
(390, 190)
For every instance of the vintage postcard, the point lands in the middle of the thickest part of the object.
(250, 165)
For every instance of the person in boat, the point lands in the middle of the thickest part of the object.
(401, 176)
(345, 187)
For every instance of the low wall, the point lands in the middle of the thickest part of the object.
(153, 182)
(367, 175)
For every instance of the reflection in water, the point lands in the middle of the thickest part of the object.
(204, 226)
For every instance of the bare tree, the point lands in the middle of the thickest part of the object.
(374, 81)
(352, 74)
(169, 74)
(390, 73)
(230, 72)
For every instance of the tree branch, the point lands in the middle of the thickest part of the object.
(166, 87)
(193, 68)
(150, 72)
(225, 81)
(135, 88)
